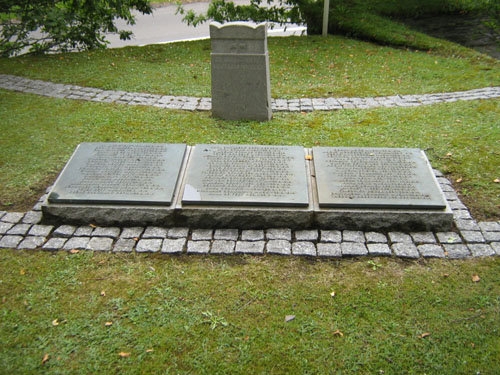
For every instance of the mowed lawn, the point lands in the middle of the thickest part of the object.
(90, 313)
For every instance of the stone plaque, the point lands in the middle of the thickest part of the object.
(375, 177)
(243, 175)
(120, 173)
(240, 71)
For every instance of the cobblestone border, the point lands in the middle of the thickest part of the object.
(24, 231)
(190, 103)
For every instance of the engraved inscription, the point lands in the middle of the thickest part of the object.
(388, 174)
(121, 169)
(375, 177)
(247, 171)
(246, 175)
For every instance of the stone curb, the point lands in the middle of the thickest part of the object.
(24, 231)
(189, 103)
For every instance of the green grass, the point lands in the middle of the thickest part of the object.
(39, 134)
(300, 67)
(210, 315)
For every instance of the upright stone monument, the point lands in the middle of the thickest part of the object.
(240, 71)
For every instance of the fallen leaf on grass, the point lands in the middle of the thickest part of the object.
(445, 275)
(92, 225)
(289, 318)
(423, 335)
(124, 354)
(107, 324)
(332, 293)
(74, 251)
(149, 350)
(22, 272)
(496, 180)
(338, 333)
(459, 180)
(309, 157)
(475, 278)
(449, 154)
(103, 293)
(45, 358)
(55, 322)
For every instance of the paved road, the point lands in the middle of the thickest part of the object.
(164, 26)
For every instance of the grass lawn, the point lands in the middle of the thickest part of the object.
(64, 313)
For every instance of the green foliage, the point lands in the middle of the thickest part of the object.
(39, 26)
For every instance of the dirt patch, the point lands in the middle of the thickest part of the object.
(25, 202)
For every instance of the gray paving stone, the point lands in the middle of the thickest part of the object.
(10, 242)
(19, 229)
(399, 237)
(131, 232)
(83, 231)
(100, 244)
(448, 237)
(489, 226)
(304, 248)
(279, 234)
(375, 237)
(226, 234)
(32, 217)
(4, 227)
(55, 243)
(379, 249)
(31, 242)
(492, 236)
(155, 232)
(250, 247)
(481, 250)
(461, 214)
(456, 251)
(64, 231)
(77, 243)
(496, 247)
(37, 206)
(252, 235)
(124, 245)
(472, 236)
(2, 214)
(40, 230)
(173, 246)
(467, 225)
(457, 205)
(306, 235)
(223, 247)
(331, 236)
(198, 247)
(353, 236)
(201, 234)
(150, 245)
(423, 237)
(280, 247)
(177, 232)
(329, 250)
(450, 195)
(405, 250)
(431, 251)
(353, 249)
(13, 217)
(111, 232)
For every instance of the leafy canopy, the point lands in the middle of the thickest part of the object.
(38, 26)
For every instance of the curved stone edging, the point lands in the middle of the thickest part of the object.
(24, 231)
(190, 103)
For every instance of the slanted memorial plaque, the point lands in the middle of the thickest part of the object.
(240, 71)
(375, 178)
(246, 175)
(120, 173)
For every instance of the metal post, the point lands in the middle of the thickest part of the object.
(326, 8)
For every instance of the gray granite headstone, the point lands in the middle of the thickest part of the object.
(240, 71)
(120, 173)
(375, 178)
(242, 175)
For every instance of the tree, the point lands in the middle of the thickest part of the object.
(62, 25)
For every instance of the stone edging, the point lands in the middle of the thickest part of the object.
(190, 103)
(24, 231)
